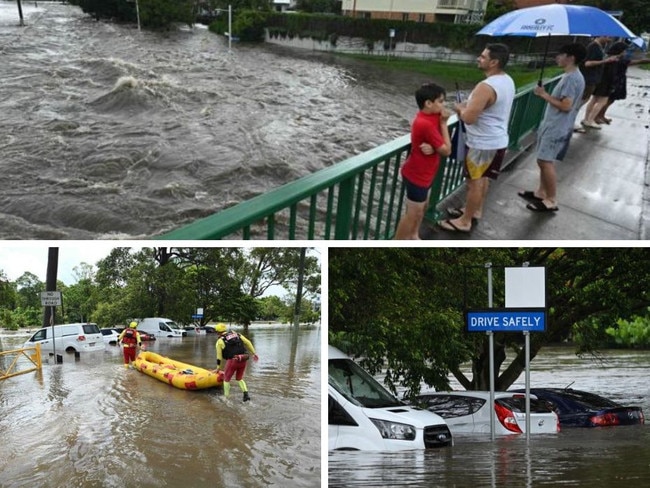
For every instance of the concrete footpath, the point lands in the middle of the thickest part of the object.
(603, 183)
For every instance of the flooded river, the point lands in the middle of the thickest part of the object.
(93, 423)
(617, 457)
(107, 132)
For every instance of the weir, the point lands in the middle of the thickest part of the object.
(360, 198)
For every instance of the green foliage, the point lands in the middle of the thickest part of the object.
(302, 25)
(467, 75)
(497, 9)
(634, 333)
(161, 13)
(271, 308)
(153, 13)
(121, 10)
(168, 282)
(636, 15)
(249, 25)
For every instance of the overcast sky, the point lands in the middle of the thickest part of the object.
(32, 256)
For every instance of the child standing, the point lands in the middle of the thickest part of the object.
(429, 140)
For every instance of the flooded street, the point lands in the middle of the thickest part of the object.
(107, 132)
(617, 457)
(93, 423)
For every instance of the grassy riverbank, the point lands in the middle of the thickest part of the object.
(465, 74)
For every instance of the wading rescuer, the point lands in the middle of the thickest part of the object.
(130, 340)
(234, 349)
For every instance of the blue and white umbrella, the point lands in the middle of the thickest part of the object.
(640, 43)
(556, 20)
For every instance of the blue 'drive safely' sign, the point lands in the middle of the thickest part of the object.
(506, 320)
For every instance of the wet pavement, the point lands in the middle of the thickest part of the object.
(603, 183)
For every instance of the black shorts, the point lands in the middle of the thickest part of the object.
(415, 193)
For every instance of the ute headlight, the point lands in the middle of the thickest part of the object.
(394, 430)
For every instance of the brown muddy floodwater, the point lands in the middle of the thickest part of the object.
(93, 423)
(609, 457)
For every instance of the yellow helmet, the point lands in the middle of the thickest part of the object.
(133, 325)
(221, 328)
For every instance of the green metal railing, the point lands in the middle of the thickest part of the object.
(359, 198)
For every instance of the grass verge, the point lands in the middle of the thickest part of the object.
(466, 75)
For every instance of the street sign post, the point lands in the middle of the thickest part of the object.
(525, 312)
(51, 298)
(506, 320)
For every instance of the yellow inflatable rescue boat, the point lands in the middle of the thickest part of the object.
(178, 374)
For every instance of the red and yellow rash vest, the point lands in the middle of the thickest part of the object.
(129, 337)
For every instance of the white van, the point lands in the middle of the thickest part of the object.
(363, 415)
(161, 327)
(81, 337)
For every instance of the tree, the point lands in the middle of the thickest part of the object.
(271, 308)
(636, 15)
(29, 288)
(497, 9)
(267, 267)
(401, 309)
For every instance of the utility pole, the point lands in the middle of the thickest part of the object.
(50, 282)
(20, 13)
(301, 274)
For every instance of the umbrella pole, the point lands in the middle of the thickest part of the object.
(541, 75)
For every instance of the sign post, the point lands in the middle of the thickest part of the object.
(51, 299)
(525, 312)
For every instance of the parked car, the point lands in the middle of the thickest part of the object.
(363, 415)
(577, 408)
(468, 412)
(208, 329)
(69, 338)
(110, 336)
(161, 327)
(144, 336)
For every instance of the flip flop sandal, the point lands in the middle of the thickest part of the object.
(455, 212)
(529, 195)
(541, 207)
(449, 226)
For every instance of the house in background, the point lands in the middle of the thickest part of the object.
(453, 11)
(283, 5)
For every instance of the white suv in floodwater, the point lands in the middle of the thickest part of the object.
(69, 338)
(363, 415)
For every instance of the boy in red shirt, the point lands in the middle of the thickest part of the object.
(429, 130)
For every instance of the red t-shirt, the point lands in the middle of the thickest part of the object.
(420, 169)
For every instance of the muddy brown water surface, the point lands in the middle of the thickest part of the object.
(93, 423)
(615, 457)
(107, 132)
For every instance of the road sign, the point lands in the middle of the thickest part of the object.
(51, 298)
(506, 320)
(197, 316)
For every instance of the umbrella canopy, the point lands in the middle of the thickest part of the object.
(556, 20)
(640, 43)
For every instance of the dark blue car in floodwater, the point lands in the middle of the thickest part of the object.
(577, 408)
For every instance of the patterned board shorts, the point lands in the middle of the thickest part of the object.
(481, 163)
